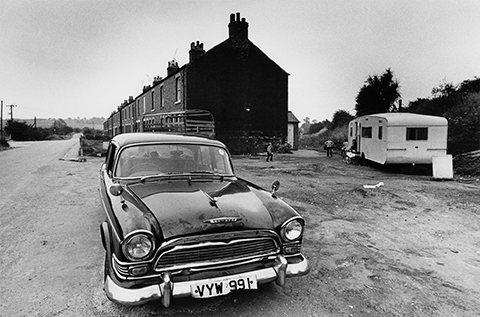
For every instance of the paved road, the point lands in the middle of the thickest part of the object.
(49, 247)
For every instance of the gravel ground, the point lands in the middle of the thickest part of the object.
(409, 247)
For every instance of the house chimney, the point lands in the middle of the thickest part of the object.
(172, 67)
(156, 80)
(196, 50)
(237, 29)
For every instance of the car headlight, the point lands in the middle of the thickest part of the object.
(138, 247)
(292, 230)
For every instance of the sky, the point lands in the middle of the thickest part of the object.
(83, 58)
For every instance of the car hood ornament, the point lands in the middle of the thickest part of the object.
(213, 201)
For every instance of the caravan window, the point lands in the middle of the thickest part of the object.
(380, 133)
(367, 132)
(417, 134)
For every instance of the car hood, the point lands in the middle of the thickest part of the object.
(185, 207)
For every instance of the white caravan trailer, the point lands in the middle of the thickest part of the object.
(398, 137)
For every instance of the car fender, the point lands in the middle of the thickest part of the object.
(105, 234)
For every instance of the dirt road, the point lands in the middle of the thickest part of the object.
(407, 248)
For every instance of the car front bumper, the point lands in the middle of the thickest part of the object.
(168, 290)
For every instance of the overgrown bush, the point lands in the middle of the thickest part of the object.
(92, 134)
(4, 143)
(18, 131)
(243, 143)
(467, 165)
(460, 104)
(93, 146)
(316, 141)
(284, 148)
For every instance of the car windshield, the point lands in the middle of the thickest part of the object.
(158, 159)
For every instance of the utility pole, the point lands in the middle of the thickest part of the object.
(11, 111)
(1, 120)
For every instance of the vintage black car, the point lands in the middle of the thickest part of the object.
(180, 223)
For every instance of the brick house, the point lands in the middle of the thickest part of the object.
(244, 90)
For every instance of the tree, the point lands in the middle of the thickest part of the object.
(60, 127)
(341, 118)
(305, 125)
(378, 94)
(444, 89)
(315, 127)
(464, 125)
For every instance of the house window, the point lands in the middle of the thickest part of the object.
(367, 132)
(138, 107)
(153, 100)
(144, 105)
(380, 133)
(161, 97)
(177, 89)
(417, 134)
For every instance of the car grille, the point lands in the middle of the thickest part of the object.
(216, 252)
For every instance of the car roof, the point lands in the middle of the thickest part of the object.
(125, 139)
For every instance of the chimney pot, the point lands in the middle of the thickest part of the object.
(238, 28)
(172, 67)
(196, 51)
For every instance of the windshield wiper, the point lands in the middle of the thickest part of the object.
(208, 174)
(160, 176)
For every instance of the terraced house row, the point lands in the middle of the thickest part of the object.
(234, 91)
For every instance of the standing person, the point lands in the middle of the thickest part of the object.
(329, 147)
(269, 152)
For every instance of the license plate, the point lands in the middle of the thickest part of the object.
(219, 287)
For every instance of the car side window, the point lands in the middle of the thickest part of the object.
(109, 160)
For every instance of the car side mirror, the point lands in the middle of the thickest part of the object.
(275, 187)
(116, 189)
